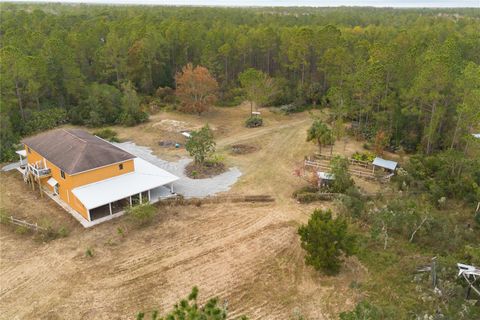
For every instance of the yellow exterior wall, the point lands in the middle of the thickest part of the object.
(73, 181)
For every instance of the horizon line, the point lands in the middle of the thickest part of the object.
(153, 3)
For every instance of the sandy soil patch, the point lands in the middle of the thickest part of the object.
(248, 254)
(20, 201)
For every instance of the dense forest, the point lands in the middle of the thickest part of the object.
(414, 75)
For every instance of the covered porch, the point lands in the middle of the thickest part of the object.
(109, 198)
(119, 206)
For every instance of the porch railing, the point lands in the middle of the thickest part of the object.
(39, 172)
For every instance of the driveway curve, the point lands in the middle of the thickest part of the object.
(189, 188)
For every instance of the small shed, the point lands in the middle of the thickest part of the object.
(384, 164)
(325, 178)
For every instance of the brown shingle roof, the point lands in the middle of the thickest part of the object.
(75, 150)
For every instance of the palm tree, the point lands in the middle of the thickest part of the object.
(320, 133)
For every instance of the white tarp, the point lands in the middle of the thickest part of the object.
(145, 177)
(52, 182)
(476, 135)
(387, 164)
(325, 175)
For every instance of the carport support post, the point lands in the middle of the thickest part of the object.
(171, 187)
(130, 200)
(149, 196)
(110, 207)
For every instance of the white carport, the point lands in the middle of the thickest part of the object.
(110, 196)
(385, 164)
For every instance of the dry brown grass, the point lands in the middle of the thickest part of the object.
(248, 254)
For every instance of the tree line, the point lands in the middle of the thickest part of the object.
(411, 75)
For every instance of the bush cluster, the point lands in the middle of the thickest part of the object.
(254, 121)
(363, 156)
(141, 214)
(107, 134)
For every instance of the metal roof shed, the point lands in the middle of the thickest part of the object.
(386, 164)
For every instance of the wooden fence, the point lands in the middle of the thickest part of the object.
(360, 163)
(25, 224)
(352, 171)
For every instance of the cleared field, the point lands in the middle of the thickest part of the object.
(248, 254)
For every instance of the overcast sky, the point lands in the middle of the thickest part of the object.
(310, 3)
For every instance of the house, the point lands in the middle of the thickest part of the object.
(325, 179)
(90, 177)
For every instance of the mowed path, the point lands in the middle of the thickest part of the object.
(247, 254)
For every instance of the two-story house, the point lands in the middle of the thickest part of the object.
(92, 176)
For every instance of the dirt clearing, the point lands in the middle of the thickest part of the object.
(248, 254)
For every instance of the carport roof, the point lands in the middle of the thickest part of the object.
(145, 177)
(387, 164)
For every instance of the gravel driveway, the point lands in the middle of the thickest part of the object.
(189, 188)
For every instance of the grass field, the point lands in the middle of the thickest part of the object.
(247, 254)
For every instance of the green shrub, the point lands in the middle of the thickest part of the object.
(363, 156)
(309, 194)
(63, 232)
(325, 240)
(4, 217)
(306, 197)
(89, 252)
(201, 144)
(132, 117)
(254, 121)
(190, 309)
(142, 214)
(22, 229)
(339, 169)
(216, 159)
(306, 189)
(107, 134)
(352, 202)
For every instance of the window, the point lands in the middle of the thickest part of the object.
(120, 166)
(62, 174)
